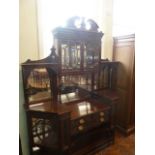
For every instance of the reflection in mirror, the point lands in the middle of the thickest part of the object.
(38, 85)
(73, 82)
(97, 81)
(84, 108)
(74, 87)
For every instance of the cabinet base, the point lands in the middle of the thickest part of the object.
(127, 131)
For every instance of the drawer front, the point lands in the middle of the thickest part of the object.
(80, 124)
(90, 121)
(100, 118)
(103, 116)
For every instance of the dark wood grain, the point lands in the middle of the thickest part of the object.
(124, 51)
(70, 96)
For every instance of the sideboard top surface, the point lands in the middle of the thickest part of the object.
(76, 110)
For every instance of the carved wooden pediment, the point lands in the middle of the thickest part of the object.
(82, 23)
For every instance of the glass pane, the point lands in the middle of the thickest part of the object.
(70, 55)
(74, 87)
(72, 82)
(65, 56)
(97, 81)
(91, 55)
(85, 82)
(38, 85)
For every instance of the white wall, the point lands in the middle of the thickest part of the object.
(105, 21)
(28, 37)
(28, 49)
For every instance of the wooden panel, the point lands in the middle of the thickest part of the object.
(121, 108)
(124, 53)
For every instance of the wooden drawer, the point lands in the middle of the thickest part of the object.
(88, 122)
(103, 116)
(100, 118)
(80, 124)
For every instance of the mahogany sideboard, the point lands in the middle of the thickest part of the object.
(70, 96)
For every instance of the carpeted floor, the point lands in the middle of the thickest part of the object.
(122, 146)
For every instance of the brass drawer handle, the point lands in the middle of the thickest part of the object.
(82, 121)
(101, 119)
(80, 128)
(101, 113)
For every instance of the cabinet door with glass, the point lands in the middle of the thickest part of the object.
(70, 55)
(79, 55)
(91, 55)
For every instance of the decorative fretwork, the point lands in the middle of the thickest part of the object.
(43, 131)
(107, 73)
